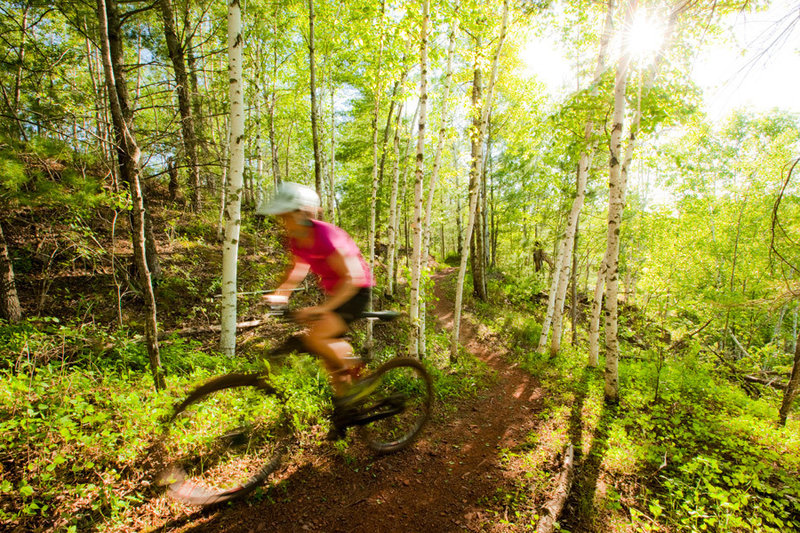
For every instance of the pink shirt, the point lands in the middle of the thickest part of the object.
(329, 239)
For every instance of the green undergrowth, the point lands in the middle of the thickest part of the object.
(79, 415)
(683, 450)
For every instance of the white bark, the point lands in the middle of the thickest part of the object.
(394, 219)
(374, 194)
(437, 163)
(616, 204)
(594, 322)
(416, 247)
(331, 173)
(475, 187)
(560, 279)
(234, 184)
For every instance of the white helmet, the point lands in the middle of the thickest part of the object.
(290, 197)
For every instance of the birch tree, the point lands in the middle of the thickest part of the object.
(234, 183)
(616, 204)
(475, 173)
(129, 157)
(394, 219)
(416, 247)
(374, 192)
(437, 164)
(312, 62)
(560, 279)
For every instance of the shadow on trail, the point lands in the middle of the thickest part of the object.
(576, 414)
(580, 512)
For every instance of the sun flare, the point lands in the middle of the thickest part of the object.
(645, 36)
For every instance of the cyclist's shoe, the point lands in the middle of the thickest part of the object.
(356, 393)
(340, 419)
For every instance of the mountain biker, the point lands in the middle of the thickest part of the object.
(330, 253)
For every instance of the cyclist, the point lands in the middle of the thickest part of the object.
(330, 253)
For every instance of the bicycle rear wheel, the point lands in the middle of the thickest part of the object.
(398, 407)
(223, 440)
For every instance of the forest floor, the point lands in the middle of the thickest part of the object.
(452, 479)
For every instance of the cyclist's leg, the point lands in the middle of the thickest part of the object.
(324, 338)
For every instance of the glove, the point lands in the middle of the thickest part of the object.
(276, 300)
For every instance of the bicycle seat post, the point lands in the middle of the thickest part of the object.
(370, 344)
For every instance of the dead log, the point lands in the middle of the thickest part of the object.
(208, 329)
(769, 382)
(552, 509)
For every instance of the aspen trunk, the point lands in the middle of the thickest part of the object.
(416, 224)
(594, 321)
(332, 169)
(559, 281)
(129, 156)
(374, 194)
(616, 204)
(475, 173)
(234, 183)
(391, 232)
(394, 218)
(437, 163)
(10, 309)
(314, 111)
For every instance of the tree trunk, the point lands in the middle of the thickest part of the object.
(616, 204)
(184, 101)
(560, 278)
(331, 170)
(594, 321)
(314, 106)
(201, 148)
(475, 173)
(574, 294)
(374, 193)
(129, 155)
(234, 183)
(791, 388)
(417, 243)
(391, 232)
(10, 309)
(386, 129)
(437, 163)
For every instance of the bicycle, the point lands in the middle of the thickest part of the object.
(232, 432)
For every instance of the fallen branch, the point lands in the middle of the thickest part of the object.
(552, 509)
(769, 382)
(208, 329)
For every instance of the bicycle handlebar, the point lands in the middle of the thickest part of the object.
(283, 311)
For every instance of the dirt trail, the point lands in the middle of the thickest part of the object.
(447, 481)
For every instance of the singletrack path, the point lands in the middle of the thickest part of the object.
(452, 479)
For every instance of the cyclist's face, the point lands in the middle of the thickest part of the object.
(296, 223)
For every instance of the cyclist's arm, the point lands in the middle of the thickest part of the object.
(349, 269)
(296, 273)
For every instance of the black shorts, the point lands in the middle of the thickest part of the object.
(352, 308)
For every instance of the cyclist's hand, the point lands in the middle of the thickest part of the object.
(276, 300)
(308, 314)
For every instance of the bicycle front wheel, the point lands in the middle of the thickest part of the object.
(223, 440)
(398, 407)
